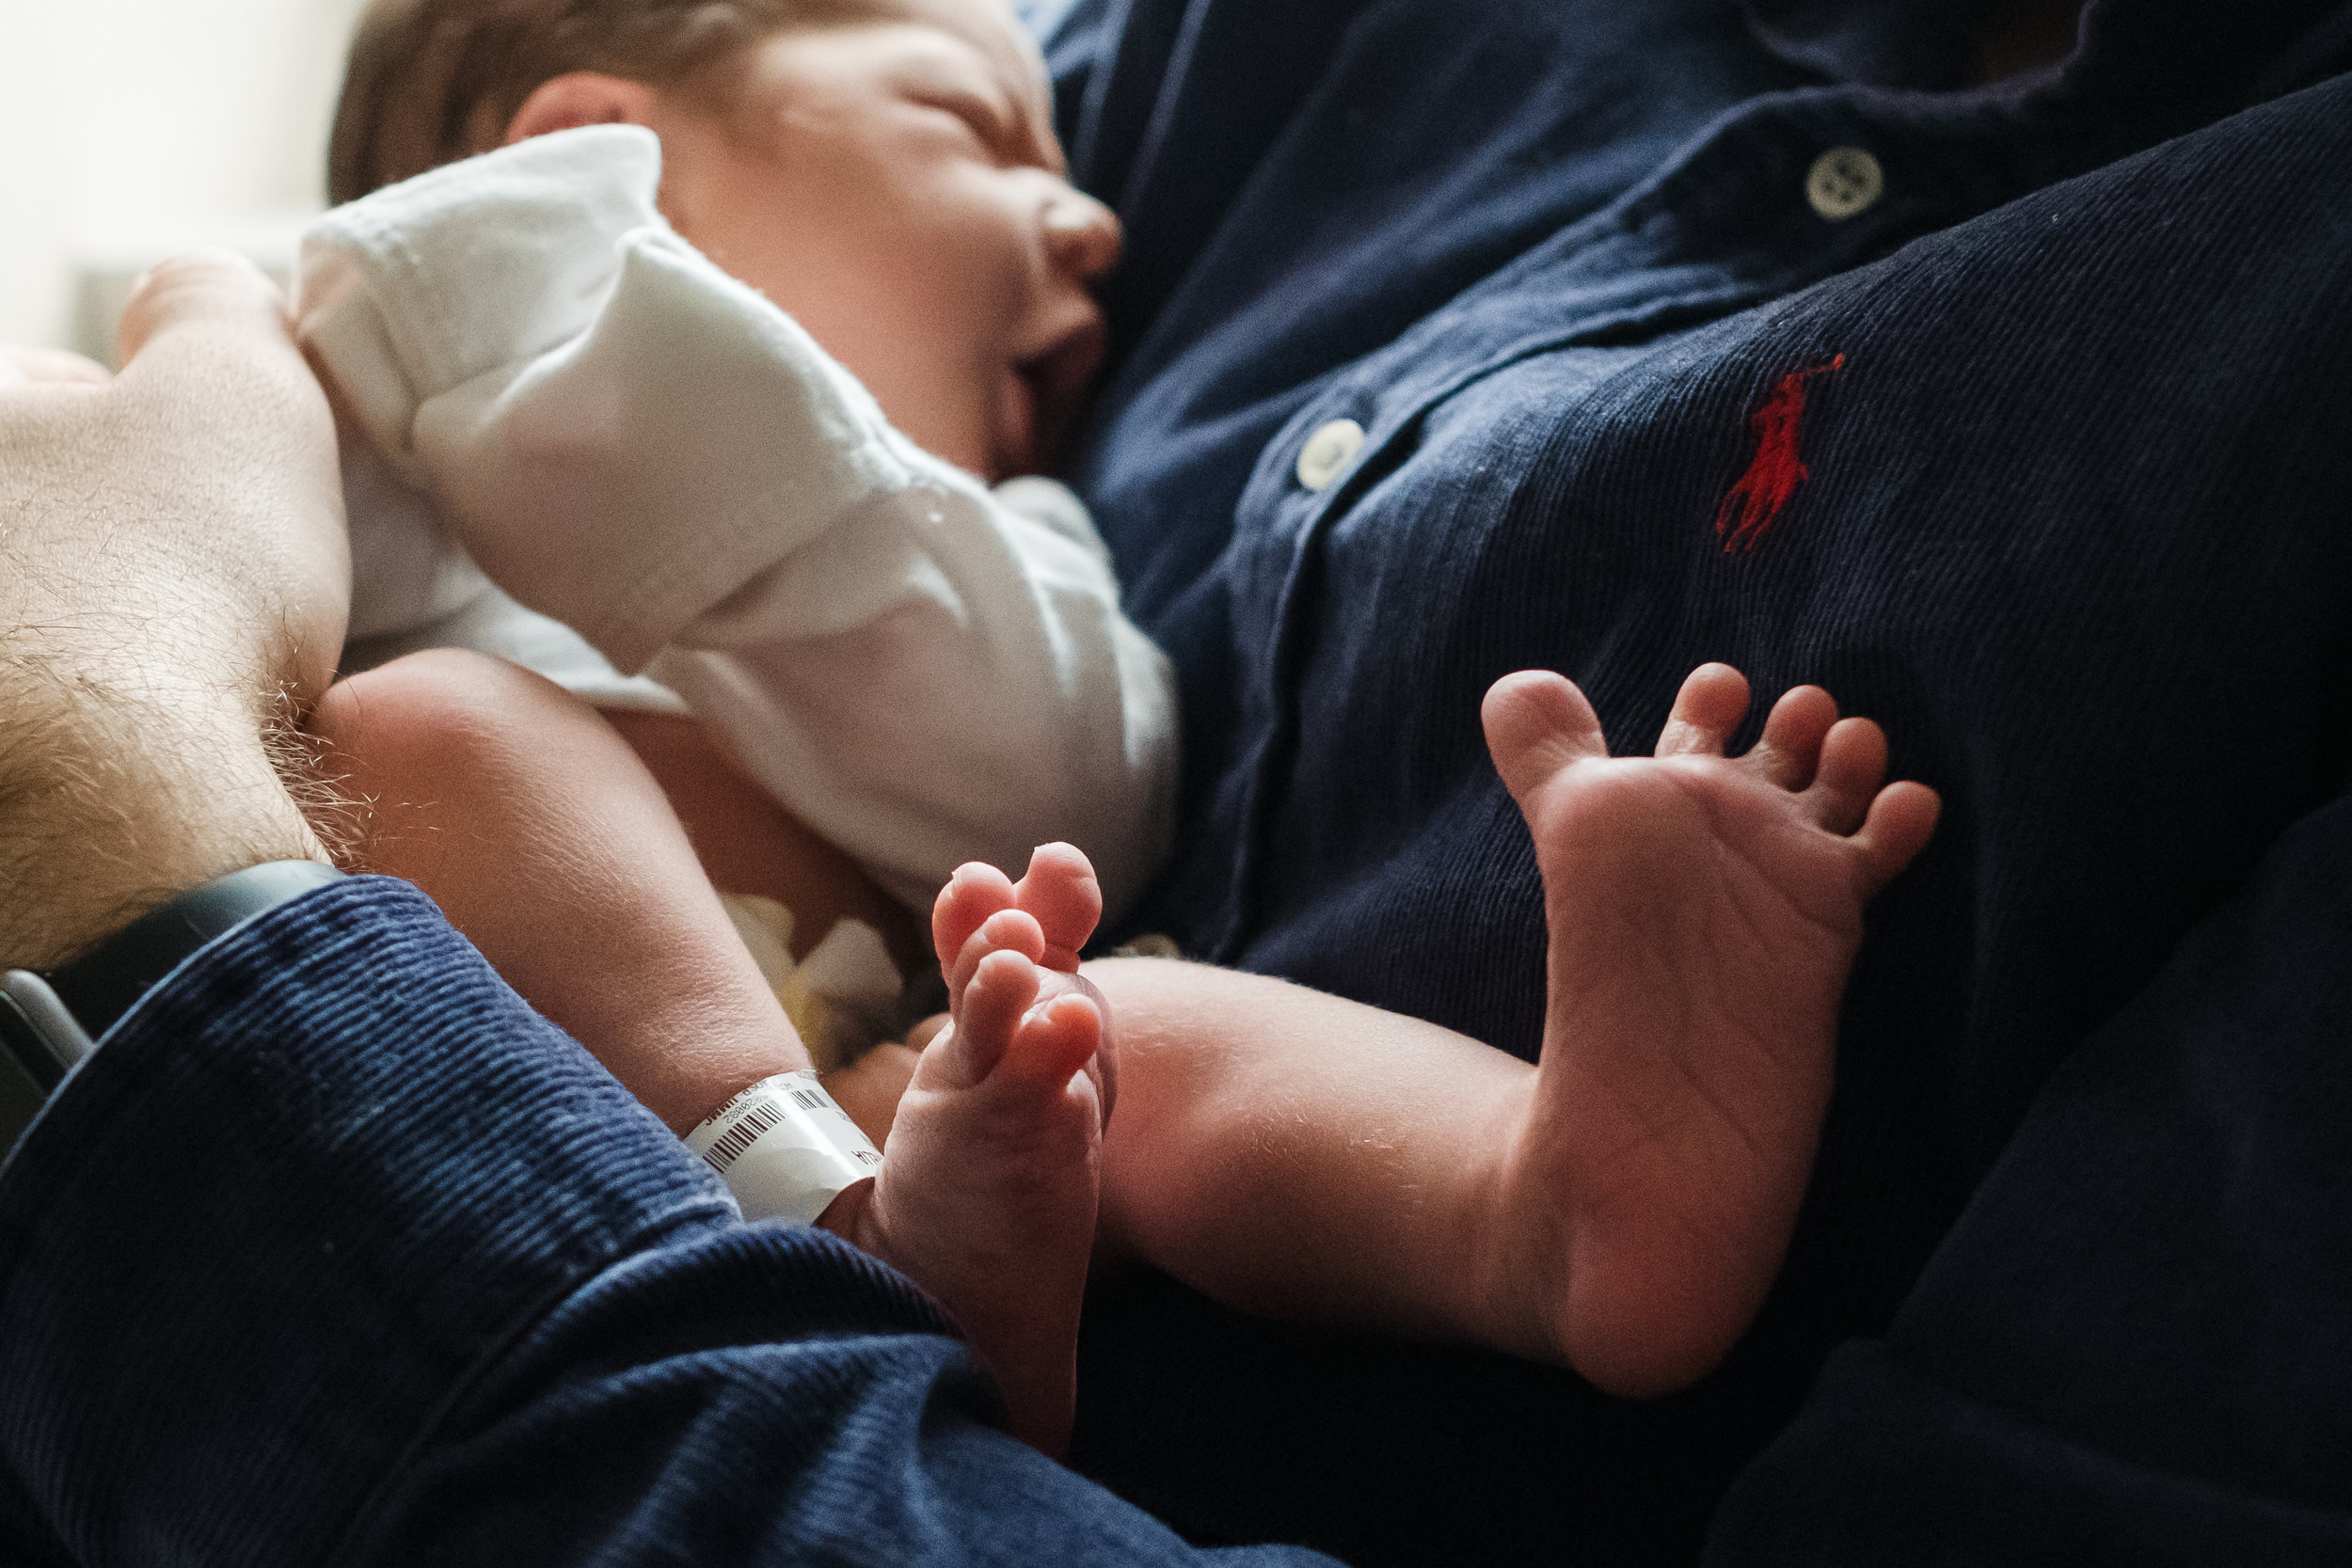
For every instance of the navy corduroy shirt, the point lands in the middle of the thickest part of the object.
(2066, 505)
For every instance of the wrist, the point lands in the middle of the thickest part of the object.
(114, 800)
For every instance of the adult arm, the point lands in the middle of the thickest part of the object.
(172, 586)
(627, 439)
(445, 1293)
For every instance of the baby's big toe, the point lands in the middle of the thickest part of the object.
(1061, 893)
(1537, 723)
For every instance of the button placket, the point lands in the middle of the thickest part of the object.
(1299, 521)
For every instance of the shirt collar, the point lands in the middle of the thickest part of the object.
(1921, 44)
(2202, 49)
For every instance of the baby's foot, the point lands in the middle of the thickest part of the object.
(1704, 912)
(987, 1188)
(1058, 893)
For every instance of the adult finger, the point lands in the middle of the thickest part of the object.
(47, 367)
(202, 289)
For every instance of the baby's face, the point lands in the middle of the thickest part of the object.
(895, 186)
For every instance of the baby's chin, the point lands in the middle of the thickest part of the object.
(992, 432)
(969, 435)
(1051, 394)
(1013, 444)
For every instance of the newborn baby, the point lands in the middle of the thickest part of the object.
(506, 332)
(700, 510)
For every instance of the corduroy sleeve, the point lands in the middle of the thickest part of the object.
(335, 1252)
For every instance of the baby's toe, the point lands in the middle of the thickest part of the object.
(1055, 1038)
(1006, 931)
(1902, 817)
(1060, 893)
(1713, 700)
(976, 892)
(1852, 761)
(1537, 723)
(1003, 986)
(1789, 751)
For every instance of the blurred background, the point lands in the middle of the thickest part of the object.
(133, 128)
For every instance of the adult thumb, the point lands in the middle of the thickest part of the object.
(215, 293)
(235, 426)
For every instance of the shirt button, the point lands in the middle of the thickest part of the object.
(1844, 180)
(1328, 450)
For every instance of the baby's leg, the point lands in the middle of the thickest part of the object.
(535, 828)
(987, 1193)
(1622, 1206)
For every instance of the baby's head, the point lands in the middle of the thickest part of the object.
(883, 170)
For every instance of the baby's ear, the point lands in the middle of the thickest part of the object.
(579, 98)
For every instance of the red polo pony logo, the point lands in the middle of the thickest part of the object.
(1773, 473)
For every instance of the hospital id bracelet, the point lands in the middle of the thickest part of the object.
(784, 1149)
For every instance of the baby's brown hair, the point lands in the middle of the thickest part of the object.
(431, 81)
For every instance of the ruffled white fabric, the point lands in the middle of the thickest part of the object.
(588, 449)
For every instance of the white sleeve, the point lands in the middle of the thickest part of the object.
(625, 439)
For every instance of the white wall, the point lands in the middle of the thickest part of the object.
(126, 125)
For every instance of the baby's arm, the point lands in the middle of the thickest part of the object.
(627, 439)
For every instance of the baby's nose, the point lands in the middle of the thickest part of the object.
(1082, 235)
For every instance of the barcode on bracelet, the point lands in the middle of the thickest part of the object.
(812, 1100)
(724, 1150)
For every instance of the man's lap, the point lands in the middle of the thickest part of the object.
(2133, 1346)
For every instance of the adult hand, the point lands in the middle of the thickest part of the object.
(173, 585)
(23, 367)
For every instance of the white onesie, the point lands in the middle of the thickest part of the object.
(704, 512)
